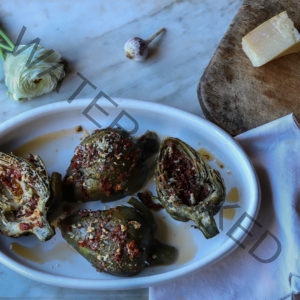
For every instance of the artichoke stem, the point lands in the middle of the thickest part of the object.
(45, 233)
(9, 46)
(207, 224)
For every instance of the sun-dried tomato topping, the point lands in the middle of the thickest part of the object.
(181, 175)
(25, 226)
(132, 249)
(147, 198)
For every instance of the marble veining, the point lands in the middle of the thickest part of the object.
(90, 35)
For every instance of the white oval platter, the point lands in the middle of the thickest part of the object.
(50, 131)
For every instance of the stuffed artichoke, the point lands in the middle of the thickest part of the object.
(187, 187)
(108, 165)
(119, 240)
(24, 194)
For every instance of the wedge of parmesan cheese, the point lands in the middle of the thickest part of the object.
(272, 39)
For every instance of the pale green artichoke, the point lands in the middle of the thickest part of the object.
(28, 77)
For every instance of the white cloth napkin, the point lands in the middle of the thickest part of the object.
(273, 270)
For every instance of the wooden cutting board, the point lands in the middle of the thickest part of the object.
(235, 95)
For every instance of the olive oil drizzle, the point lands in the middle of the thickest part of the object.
(37, 254)
(210, 157)
(206, 154)
(232, 197)
(41, 141)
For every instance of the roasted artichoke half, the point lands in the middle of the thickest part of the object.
(119, 241)
(108, 165)
(187, 187)
(24, 193)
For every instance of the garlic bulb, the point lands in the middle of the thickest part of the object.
(137, 48)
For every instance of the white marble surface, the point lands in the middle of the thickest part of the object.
(90, 35)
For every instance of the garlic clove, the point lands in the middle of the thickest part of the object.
(137, 48)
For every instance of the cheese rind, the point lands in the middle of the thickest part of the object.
(272, 39)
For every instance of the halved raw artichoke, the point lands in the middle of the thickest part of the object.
(187, 187)
(108, 165)
(24, 193)
(119, 241)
